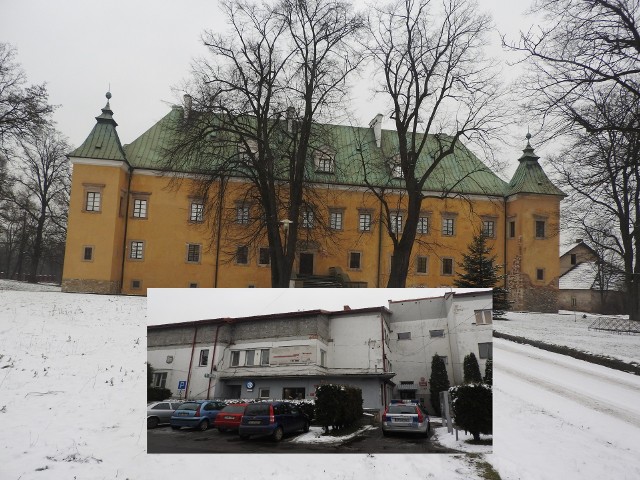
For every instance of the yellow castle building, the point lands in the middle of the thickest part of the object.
(132, 226)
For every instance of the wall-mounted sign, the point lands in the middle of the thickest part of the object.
(169, 358)
(182, 384)
(250, 385)
(292, 355)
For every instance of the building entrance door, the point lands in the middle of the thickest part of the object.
(306, 264)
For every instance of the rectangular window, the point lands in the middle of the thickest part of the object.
(484, 317)
(307, 219)
(512, 229)
(489, 228)
(574, 302)
(364, 223)
(574, 259)
(293, 393)
(242, 214)
(323, 358)
(136, 284)
(193, 253)
(87, 254)
(242, 255)
(196, 212)
(264, 356)
(540, 227)
(354, 260)
(136, 250)
(263, 256)
(235, 358)
(485, 350)
(422, 264)
(436, 333)
(139, 208)
(447, 266)
(540, 274)
(404, 335)
(448, 227)
(204, 358)
(93, 201)
(193, 285)
(335, 220)
(324, 163)
(423, 225)
(263, 393)
(395, 167)
(395, 222)
(249, 358)
(159, 379)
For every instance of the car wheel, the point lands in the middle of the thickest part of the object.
(278, 434)
(204, 425)
(305, 429)
(175, 427)
(152, 422)
(244, 437)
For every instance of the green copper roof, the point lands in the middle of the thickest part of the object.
(103, 142)
(529, 176)
(354, 148)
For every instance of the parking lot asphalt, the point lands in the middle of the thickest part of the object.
(166, 440)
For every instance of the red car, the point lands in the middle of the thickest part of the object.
(229, 417)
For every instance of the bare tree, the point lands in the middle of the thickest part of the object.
(41, 192)
(601, 171)
(441, 90)
(253, 114)
(22, 108)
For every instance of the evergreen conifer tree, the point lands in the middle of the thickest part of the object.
(480, 271)
(488, 372)
(438, 382)
(471, 369)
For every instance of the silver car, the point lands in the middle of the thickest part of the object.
(160, 412)
(405, 418)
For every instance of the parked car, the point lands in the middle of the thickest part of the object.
(198, 414)
(229, 417)
(160, 412)
(272, 418)
(406, 418)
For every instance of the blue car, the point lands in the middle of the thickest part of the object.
(198, 414)
(272, 418)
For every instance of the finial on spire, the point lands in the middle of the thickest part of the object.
(108, 95)
(528, 137)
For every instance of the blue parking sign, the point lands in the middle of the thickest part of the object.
(182, 384)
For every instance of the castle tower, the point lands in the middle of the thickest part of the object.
(533, 236)
(97, 210)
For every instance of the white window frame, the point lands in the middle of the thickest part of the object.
(196, 212)
(136, 250)
(484, 317)
(234, 359)
(204, 357)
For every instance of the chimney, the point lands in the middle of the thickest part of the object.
(346, 308)
(291, 115)
(578, 240)
(376, 124)
(187, 105)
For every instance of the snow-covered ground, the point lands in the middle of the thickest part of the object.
(72, 404)
(571, 330)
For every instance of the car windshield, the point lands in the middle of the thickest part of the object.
(257, 409)
(189, 406)
(233, 409)
(402, 409)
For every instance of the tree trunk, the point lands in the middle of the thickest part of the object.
(37, 246)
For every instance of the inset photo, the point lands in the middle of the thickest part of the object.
(319, 370)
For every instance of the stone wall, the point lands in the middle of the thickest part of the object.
(526, 296)
(79, 285)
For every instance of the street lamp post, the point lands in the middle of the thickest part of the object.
(285, 226)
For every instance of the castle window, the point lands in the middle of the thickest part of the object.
(489, 228)
(242, 214)
(364, 222)
(447, 266)
(136, 284)
(540, 228)
(87, 253)
(136, 250)
(325, 163)
(193, 253)
(540, 274)
(395, 222)
(448, 227)
(263, 256)
(307, 219)
(423, 224)
(512, 229)
(93, 201)
(355, 259)
(242, 255)
(196, 212)
(139, 208)
(421, 264)
(335, 219)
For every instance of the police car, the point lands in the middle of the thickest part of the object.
(406, 416)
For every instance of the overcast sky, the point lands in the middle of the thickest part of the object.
(173, 305)
(142, 48)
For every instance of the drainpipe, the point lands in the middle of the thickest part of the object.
(384, 363)
(213, 360)
(126, 224)
(218, 231)
(506, 225)
(379, 246)
(193, 347)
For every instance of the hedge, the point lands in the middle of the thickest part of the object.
(338, 406)
(157, 394)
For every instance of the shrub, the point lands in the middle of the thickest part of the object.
(439, 381)
(337, 406)
(157, 394)
(473, 408)
(471, 369)
(488, 372)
